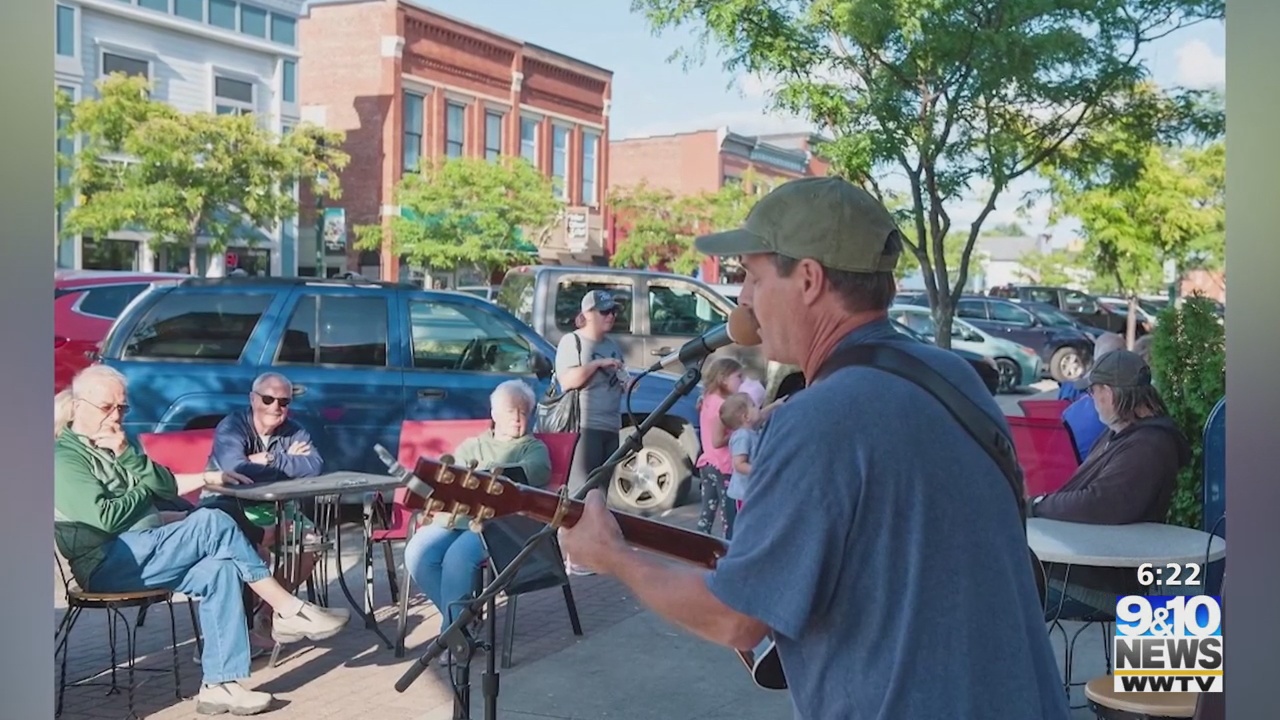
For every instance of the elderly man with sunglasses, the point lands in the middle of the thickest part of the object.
(263, 444)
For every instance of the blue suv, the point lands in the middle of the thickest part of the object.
(363, 357)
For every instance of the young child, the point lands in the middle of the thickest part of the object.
(721, 379)
(741, 417)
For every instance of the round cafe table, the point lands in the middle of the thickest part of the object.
(1121, 546)
(1116, 546)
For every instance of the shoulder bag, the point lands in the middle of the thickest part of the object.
(560, 411)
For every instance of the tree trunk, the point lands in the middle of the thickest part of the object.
(193, 258)
(942, 314)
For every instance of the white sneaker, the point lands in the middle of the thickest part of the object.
(312, 623)
(231, 698)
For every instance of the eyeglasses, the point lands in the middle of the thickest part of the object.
(610, 311)
(123, 408)
(270, 400)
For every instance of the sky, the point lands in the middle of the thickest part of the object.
(653, 96)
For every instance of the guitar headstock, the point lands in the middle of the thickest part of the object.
(462, 490)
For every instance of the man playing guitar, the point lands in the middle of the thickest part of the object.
(878, 544)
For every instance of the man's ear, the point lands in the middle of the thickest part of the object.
(813, 280)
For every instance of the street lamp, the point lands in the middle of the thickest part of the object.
(318, 187)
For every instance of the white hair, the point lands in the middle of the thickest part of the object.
(1107, 343)
(269, 376)
(94, 376)
(514, 391)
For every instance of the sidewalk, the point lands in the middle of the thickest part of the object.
(628, 665)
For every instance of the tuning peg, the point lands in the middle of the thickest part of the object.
(435, 505)
(447, 459)
(497, 471)
(472, 464)
(475, 526)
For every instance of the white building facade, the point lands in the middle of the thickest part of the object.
(225, 56)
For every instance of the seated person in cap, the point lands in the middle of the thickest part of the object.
(1128, 477)
(1081, 417)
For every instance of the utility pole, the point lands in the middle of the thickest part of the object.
(320, 181)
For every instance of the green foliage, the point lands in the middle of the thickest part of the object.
(469, 211)
(945, 94)
(1188, 365)
(660, 226)
(142, 165)
(1142, 202)
(1057, 267)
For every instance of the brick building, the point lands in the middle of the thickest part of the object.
(706, 160)
(406, 83)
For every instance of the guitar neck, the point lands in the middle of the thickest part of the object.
(674, 542)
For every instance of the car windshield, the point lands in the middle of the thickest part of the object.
(908, 331)
(1051, 316)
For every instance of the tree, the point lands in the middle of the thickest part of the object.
(660, 226)
(1055, 267)
(143, 165)
(1144, 204)
(947, 93)
(460, 211)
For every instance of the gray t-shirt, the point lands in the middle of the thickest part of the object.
(741, 442)
(884, 548)
(600, 401)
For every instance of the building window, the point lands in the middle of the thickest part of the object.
(414, 118)
(560, 160)
(253, 21)
(492, 136)
(222, 13)
(189, 9)
(66, 40)
(289, 79)
(161, 5)
(590, 158)
(529, 140)
(112, 63)
(455, 131)
(232, 97)
(284, 30)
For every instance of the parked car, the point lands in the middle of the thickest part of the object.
(1084, 307)
(85, 303)
(1052, 316)
(364, 357)
(1018, 364)
(1064, 352)
(1145, 312)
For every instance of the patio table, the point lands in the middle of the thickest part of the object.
(327, 488)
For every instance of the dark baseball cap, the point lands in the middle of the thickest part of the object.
(600, 300)
(827, 219)
(1118, 368)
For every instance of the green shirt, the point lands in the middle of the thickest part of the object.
(97, 496)
(528, 452)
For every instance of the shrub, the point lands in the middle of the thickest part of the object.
(1188, 366)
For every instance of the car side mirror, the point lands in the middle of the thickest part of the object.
(542, 366)
(974, 337)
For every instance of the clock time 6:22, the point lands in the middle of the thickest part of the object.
(1169, 574)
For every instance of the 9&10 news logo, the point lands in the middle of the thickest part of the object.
(1168, 643)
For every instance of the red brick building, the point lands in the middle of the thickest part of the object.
(406, 83)
(704, 161)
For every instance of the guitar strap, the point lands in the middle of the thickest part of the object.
(985, 431)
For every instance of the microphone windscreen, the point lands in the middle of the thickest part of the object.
(743, 328)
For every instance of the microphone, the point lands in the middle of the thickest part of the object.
(741, 329)
(403, 474)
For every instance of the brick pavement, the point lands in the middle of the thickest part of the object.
(351, 675)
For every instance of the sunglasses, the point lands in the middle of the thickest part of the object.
(270, 400)
(610, 311)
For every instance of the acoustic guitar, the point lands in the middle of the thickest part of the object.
(466, 492)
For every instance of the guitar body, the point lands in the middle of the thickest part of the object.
(467, 492)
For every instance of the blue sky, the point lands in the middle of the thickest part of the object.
(653, 96)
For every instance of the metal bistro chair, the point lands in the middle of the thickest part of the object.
(79, 600)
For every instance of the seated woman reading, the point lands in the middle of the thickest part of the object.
(442, 558)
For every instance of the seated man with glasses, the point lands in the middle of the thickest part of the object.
(263, 444)
(108, 526)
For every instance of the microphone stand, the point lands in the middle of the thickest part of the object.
(456, 639)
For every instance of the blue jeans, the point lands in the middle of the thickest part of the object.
(443, 563)
(204, 556)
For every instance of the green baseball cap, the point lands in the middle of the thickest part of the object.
(1118, 368)
(827, 219)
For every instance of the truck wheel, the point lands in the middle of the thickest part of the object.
(1066, 364)
(655, 479)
